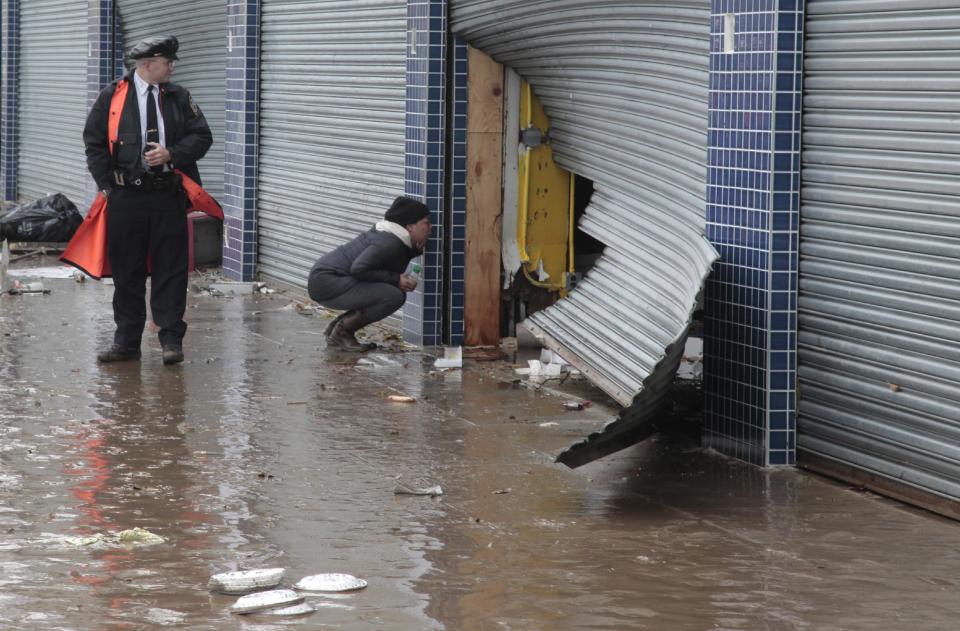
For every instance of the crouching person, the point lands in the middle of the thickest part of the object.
(365, 277)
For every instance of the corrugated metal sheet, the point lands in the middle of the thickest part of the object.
(52, 99)
(879, 305)
(625, 87)
(332, 112)
(201, 28)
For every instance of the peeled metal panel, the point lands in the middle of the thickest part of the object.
(52, 99)
(879, 303)
(332, 113)
(625, 87)
(201, 28)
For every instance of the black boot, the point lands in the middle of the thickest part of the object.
(333, 324)
(117, 353)
(342, 336)
(172, 354)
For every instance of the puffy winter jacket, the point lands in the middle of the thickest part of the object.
(374, 256)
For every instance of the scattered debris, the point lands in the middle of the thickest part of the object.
(894, 387)
(548, 356)
(691, 364)
(405, 489)
(89, 540)
(508, 344)
(502, 491)
(262, 601)
(20, 257)
(549, 424)
(452, 358)
(134, 536)
(238, 288)
(401, 398)
(245, 581)
(576, 405)
(35, 287)
(139, 536)
(330, 583)
(79, 277)
(483, 353)
(296, 402)
(536, 368)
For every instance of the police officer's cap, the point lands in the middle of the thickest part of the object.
(161, 46)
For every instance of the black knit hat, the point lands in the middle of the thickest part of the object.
(406, 211)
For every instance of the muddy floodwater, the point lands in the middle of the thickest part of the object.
(266, 450)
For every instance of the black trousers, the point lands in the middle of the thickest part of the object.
(145, 223)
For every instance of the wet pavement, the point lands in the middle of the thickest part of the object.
(264, 449)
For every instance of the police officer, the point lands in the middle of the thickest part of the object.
(160, 129)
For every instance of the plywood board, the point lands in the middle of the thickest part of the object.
(484, 200)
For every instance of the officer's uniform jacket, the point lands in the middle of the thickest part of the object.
(187, 135)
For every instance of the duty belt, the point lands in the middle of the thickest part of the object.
(169, 181)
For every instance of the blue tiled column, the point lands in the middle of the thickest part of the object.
(9, 78)
(457, 173)
(752, 220)
(105, 61)
(241, 140)
(426, 159)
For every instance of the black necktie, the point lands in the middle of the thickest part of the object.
(153, 128)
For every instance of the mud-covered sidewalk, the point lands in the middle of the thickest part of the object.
(265, 450)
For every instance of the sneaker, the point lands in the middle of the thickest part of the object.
(118, 353)
(172, 354)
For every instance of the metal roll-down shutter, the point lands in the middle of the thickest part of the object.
(879, 305)
(52, 99)
(201, 28)
(625, 87)
(333, 82)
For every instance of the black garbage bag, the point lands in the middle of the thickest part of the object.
(52, 219)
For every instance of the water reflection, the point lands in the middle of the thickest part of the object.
(138, 471)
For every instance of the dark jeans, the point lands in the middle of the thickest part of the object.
(375, 300)
(139, 222)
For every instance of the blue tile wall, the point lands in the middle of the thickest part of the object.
(105, 61)
(752, 219)
(457, 172)
(241, 133)
(425, 177)
(9, 78)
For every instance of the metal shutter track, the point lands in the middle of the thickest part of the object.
(53, 99)
(201, 28)
(332, 99)
(879, 306)
(625, 86)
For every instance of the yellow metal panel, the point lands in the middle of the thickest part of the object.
(545, 217)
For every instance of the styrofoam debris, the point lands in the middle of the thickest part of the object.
(330, 583)
(244, 581)
(296, 610)
(406, 489)
(260, 601)
(452, 358)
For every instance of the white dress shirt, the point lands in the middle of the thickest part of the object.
(142, 86)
